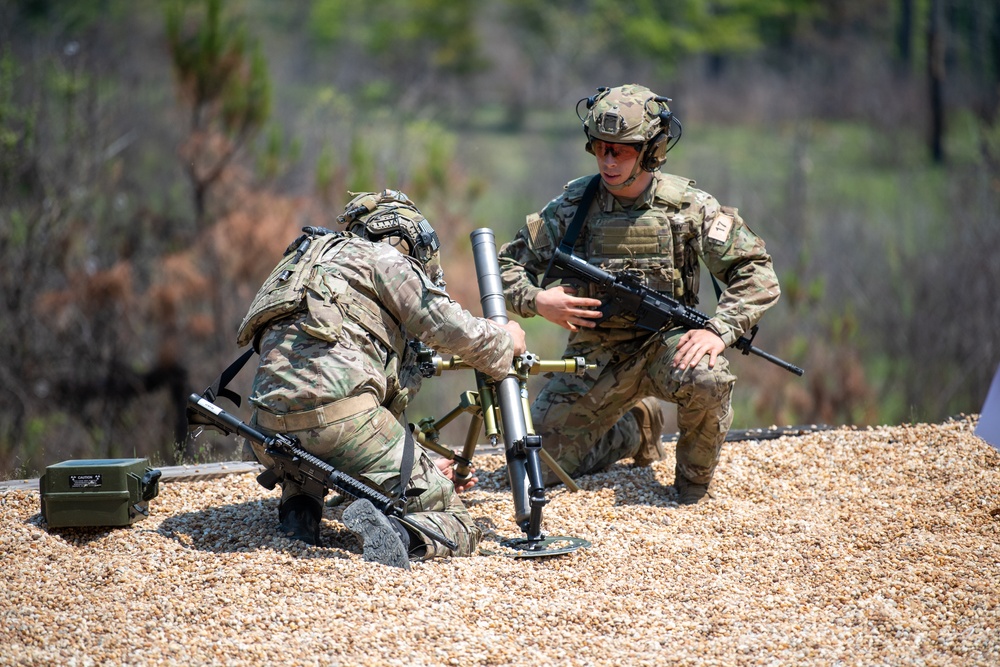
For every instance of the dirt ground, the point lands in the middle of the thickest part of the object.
(845, 547)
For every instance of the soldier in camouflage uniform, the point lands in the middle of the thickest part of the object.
(331, 325)
(660, 225)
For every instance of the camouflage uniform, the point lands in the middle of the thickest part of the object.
(585, 421)
(326, 353)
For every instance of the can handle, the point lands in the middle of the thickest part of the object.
(150, 483)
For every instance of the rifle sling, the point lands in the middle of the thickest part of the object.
(218, 388)
(406, 464)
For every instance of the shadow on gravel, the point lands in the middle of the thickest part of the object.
(640, 485)
(253, 526)
(78, 535)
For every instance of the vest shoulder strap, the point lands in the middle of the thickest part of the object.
(671, 189)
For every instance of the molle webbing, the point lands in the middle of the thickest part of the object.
(616, 242)
(353, 304)
(283, 291)
(284, 294)
(626, 245)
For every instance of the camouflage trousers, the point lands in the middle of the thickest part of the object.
(584, 421)
(369, 447)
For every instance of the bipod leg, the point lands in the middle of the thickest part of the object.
(427, 433)
(432, 444)
(558, 470)
(463, 463)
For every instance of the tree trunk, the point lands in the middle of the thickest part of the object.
(935, 79)
(904, 33)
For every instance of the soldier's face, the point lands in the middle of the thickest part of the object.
(615, 161)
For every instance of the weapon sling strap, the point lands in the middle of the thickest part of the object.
(406, 463)
(218, 388)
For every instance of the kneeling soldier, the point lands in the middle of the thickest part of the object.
(332, 325)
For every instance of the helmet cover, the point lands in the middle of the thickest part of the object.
(628, 114)
(388, 215)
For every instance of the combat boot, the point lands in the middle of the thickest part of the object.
(649, 417)
(384, 540)
(688, 493)
(300, 517)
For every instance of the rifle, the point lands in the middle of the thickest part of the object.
(626, 295)
(314, 475)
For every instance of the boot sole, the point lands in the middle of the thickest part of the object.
(380, 542)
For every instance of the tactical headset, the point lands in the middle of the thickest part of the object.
(655, 149)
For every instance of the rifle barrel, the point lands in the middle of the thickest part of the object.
(777, 361)
(224, 420)
(583, 268)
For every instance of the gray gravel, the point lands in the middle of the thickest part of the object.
(843, 547)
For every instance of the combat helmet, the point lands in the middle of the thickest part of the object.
(391, 216)
(631, 114)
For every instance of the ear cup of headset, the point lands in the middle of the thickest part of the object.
(656, 152)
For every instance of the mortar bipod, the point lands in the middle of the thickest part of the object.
(524, 455)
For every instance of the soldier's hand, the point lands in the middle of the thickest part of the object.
(694, 345)
(517, 334)
(447, 469)
(561, 306)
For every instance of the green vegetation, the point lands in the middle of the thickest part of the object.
(155, 158)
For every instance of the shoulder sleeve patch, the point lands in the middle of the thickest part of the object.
(721, 227)
(537, 235)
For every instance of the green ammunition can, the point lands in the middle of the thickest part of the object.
(98, 492)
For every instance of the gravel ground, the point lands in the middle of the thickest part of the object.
(843, 547)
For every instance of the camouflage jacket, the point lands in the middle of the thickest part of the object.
(663, 234)
(321, 353)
